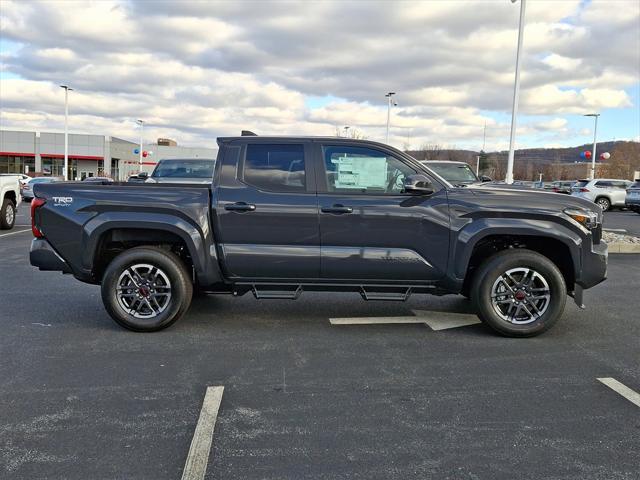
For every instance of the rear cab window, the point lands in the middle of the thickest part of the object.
(275, 167)
(184, 169)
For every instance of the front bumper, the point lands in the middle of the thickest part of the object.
(43, 256)
(594, 265)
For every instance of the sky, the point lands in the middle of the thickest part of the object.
(194, 71)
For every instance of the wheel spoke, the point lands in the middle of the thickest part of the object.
(520, 295)
(143, 290)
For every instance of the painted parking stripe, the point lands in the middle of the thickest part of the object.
(446, 320)
(196, 465)
(374, 320)
(622, 389)
(435, 320)
(614, 230)
(14, 233)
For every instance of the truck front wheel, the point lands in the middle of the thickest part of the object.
(519, 293)
(146, 289)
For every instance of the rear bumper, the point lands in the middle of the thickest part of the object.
(633, 202)
(43, 256)
(594, 266)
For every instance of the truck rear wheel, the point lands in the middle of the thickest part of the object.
(146, 289)
(519, 293)
(7, 214)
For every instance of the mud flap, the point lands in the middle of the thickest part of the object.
(577, 296)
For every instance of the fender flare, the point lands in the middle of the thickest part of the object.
(205, 261)
(463, 244)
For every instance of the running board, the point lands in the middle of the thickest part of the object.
(264, 292)
(395, 295)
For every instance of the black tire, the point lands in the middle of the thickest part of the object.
(604, 203)
(7, 215)
(167, 264)
(487, 277)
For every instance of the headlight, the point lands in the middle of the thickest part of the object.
(586, 218)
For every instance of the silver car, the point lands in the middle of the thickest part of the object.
(606, 192)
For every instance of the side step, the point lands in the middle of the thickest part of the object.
(401, 294)
(279, 292)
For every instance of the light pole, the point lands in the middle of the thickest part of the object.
(141, 123)
(346, 131)
(516, 95)
(389, 101)
(593, 153)
(67, 88)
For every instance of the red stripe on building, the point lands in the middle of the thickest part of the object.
(18, 154)
(71, 157)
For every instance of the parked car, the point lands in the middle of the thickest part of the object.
(21, 176)
(27, 189)
(9, 200)
(562, 186)
(632, 198)
(456, 173)
(282, 215)
(606, 192)
(138, 178)
(98, 179)
(184, 170)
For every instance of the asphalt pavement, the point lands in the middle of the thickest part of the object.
(303, 399)
(622, 221)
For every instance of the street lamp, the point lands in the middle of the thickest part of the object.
(389, 102)
(67, 88)
(516, 95)
(141, 123)
(593, 153)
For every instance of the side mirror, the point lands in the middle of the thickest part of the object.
(484, 179)
(417, 184)
(143, 175)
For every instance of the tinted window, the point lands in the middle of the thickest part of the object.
(603, 184)
(184, 169)
(581, 183)
(363, 170)
(453, 172)
(635, 184)
(278, 168)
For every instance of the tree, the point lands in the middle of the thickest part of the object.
(432, 151)
(349, 132)
(624, 161)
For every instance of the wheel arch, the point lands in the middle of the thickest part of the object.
(554, 241)
(104, 236)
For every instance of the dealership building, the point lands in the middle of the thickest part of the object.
(42, 153)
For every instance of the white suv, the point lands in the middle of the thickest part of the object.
(606, 192)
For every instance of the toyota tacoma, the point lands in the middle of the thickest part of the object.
(285, 215)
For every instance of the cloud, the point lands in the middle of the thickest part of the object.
(202, 69)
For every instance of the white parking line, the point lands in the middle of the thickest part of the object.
(374, 320)
(622, 389)
(435, 320)
(13, 233)
(196, 465)
(614, 230)
(445, 320)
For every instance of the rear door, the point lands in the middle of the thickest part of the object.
(370, 230)
(267, 212)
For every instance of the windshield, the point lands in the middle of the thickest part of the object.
(453, 172)
(184, 169)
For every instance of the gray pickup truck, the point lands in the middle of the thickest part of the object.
(284, 215)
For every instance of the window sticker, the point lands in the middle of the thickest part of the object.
(361, 172)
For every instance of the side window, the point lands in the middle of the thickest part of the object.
(603, 184)
(363, 170)
(277, 168)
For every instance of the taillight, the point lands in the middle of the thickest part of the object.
(584, 189)
(35, 203)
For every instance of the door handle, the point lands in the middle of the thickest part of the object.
(338, 209)
(240, 207)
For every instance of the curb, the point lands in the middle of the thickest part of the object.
(619, 247)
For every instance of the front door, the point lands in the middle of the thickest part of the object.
(267, 212)
(369, 228)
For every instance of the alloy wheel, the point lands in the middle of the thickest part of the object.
(143, 290)
(520, 295)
